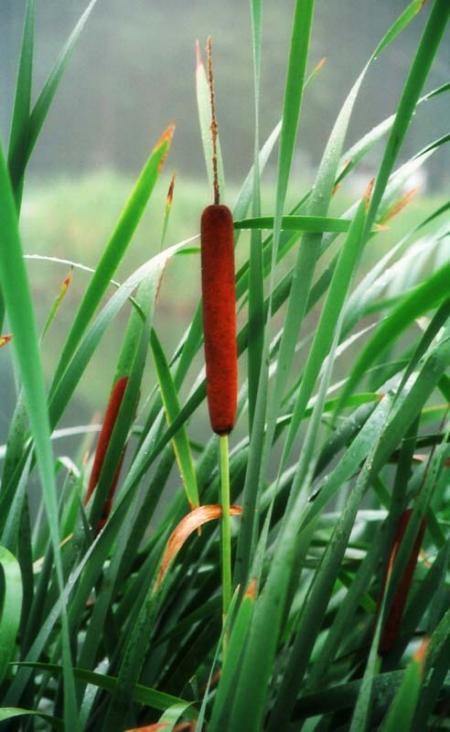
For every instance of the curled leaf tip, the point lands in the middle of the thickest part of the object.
(4, 339)
(188, 524)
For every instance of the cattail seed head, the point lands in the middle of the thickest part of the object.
(219, 316)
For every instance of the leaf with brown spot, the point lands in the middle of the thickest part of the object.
(5, 339)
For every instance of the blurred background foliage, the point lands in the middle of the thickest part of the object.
(132, 73)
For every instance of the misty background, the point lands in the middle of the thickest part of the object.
(131, 74)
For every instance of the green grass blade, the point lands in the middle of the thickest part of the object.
(11, 608)
(13, 712)
(319, 595)
(180, 440)
(116, 248)
(423, 297)
(362, 710)
(235, 650)
(256, 275)
(153, 270)
(258, 662)
(312, 224)
(402, 21)
(292, 104)
(329, 318)
(142, 694)
(401, 711)
(21, 152)
(20, 311)
(22, 101)
(420, 67)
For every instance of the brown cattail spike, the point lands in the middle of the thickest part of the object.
(214, 126)
(112, 411)
(392, 624)
(219, 316)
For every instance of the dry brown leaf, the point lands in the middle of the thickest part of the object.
(190, 523)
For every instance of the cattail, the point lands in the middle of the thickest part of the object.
(219, 298)
(394, 618)
(112, 411)
(219, 316)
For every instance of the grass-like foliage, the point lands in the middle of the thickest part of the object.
(300, 578)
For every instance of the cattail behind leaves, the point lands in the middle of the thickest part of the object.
(112, 411)
(392, 625)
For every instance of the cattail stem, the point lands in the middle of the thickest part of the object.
(226, 524)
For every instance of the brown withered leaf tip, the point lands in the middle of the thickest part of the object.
(398, 206)
(251, 589)
(67, 281)
(421, 653)
(368, 192)
(165, 139)
(190, 523)
(320, 64)
(4, 339)
(169, 197)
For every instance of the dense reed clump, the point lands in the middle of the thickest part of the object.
(296, 577)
